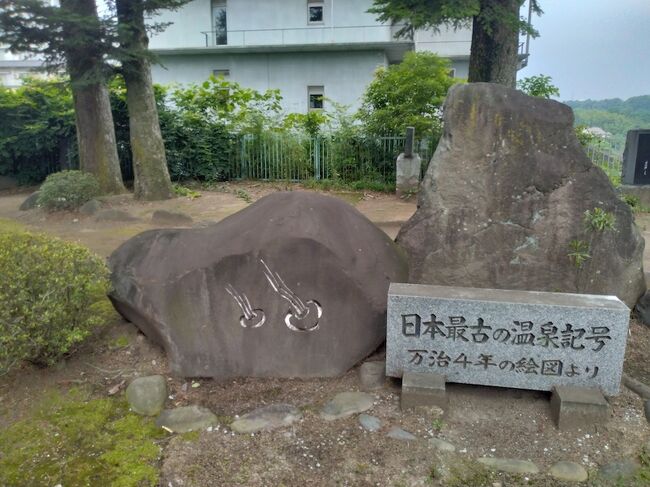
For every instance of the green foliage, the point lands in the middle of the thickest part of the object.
(244, 195)
(614, 116)
(599, 220)
(540, 86)
(415, 14)
(584, 137)
(633, 201)
(73, 441)
(311, 122)
(437, 424)
(578, 252)
(200, 133)
(37, 129)
(408, 94)
(338, 185)
(217, 100)
(186, 192)
(53, 296)
(67, 190)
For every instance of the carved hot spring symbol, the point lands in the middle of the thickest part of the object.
(252, 318)
(301, 316)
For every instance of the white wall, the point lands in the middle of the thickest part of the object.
(447, 42)
(344, 75)
(186, 25)
(271, 22)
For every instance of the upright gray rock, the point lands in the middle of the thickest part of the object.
(294, 285)
(506, 194)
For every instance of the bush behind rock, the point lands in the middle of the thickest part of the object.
(53, 295)
(67, 190)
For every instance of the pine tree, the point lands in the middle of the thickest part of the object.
(152, 180)
(71, 35)
(495, 30)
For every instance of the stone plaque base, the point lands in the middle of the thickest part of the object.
(578, 408)
(423, 390)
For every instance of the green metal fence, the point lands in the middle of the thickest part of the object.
(294, 158)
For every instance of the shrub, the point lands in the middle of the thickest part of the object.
(409, 94)
(37, 132)
(67, 190)
(53, 295)
(599, 220)
(633, 201)
(540, 86)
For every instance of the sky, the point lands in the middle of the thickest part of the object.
(593, 48)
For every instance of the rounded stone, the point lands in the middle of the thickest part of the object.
(113, 215)
(164, 217)
(569, 472)
(146, 395)
(372, 375)
(292, 286)
(400, 434)
(185, 419)
(30, 202)
(370, 423)
(346, 404)
(266, 418)
(509, 465)
(90, 207)
(442, 445)
(646, 410)
(616, 471)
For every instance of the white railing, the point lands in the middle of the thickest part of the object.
(303, 35)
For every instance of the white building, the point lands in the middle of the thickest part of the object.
(306, 48)
(14, 67)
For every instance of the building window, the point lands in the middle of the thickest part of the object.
(224, 73)
(315, 12)
(315, 95)
(219, 22)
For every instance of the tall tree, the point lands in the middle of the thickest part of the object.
(71, 35)
(152, 180)
(496, 26)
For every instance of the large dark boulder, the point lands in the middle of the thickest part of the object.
(505, 196)
(294, 285)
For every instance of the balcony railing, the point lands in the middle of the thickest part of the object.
(301, 35)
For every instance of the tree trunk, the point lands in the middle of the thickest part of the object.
(494, 53)
(152, 180)
(93, 116)
(96, 135)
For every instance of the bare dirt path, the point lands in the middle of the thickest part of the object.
(387, 211)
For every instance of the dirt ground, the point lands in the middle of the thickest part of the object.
(480, 421)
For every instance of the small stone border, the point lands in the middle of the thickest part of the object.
(353, 403)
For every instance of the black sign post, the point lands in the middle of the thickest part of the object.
(636, 158)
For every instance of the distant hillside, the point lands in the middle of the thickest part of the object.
(614, 115)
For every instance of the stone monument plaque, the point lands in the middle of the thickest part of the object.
(636, 158)
(520, 339)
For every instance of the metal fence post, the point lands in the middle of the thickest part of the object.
(317, 142)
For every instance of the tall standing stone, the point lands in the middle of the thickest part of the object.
(504, 199)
